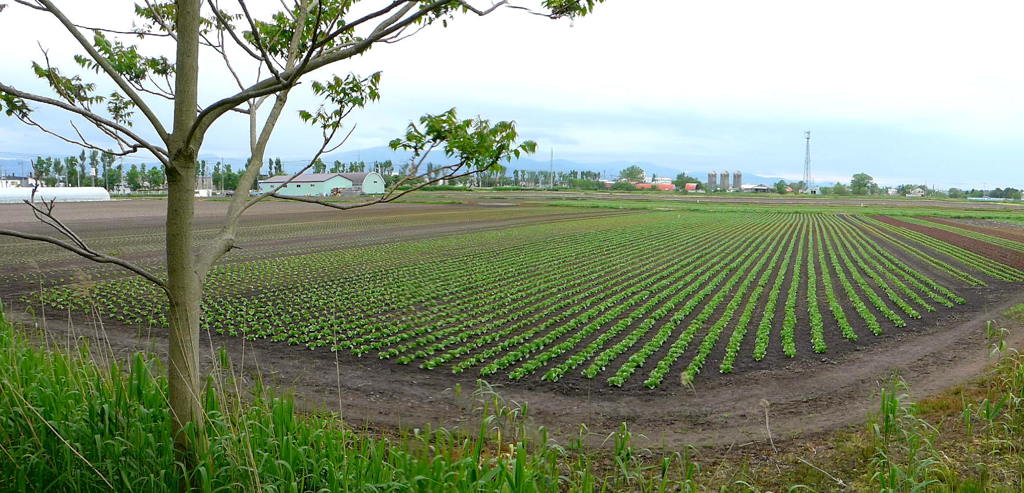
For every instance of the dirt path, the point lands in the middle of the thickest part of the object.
(805, 397)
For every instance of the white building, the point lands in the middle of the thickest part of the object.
(59, 194)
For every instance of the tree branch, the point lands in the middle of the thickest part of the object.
(159, 152)
(323, 150)
(90, 255)
(44, 214)
(482, 12)
(109, 70)
(226, 26)
(290, 77)
(259, 42)
(225, 239)
(390, 196)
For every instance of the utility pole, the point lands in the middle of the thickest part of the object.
(807, 162)
(551, 168)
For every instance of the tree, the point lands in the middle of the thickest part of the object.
(94, 161)
(840, 189)
(633, 174)
(217, 176)
(780, 187)
(860, 183)
(155, 177)
(623, 185)
(386, 168)
(134, 178)
(282, 50)
(682, 179)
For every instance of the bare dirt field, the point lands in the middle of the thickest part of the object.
(806, 395)
(995, 252)
(736, 198)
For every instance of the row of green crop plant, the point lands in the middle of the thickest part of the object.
(595, 319)
(995, 240)
(600, 281)
(252, 296)
(967, 257)
(915, 252)
(863, 262)
(639, 296)
(461, 303)
(700, 268)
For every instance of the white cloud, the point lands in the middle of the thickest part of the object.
(944, 70)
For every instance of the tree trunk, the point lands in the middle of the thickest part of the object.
(184, 287)
(184, 292)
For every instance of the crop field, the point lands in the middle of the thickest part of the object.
(633, 300)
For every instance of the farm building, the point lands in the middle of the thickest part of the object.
(59, 194)
(325, 184)
(17, 181)
(657, 186)
(761, 188)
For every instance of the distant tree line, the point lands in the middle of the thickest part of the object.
(95, 169)
(998, 193)
(864, 184)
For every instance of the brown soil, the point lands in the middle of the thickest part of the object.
(995, 252)
(805, 396)
(1005, 232)
(808, 394)
(738, 198)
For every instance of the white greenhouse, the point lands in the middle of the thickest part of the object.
(60, 194)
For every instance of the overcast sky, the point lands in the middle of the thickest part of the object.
(908, 91)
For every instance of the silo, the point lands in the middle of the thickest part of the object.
(712, 181)
(737, 179)
(723, 179)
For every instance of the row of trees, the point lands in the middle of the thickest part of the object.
(81, 170)
(96, 169)
(75, 171)
(998, 193)
(864, 184)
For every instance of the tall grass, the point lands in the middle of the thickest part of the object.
(67, 424)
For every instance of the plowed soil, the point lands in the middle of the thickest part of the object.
(988, 228)
(995, 252)
(805, 395)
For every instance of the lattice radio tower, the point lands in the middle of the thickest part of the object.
(807, 162)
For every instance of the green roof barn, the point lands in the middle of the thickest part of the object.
(325, 184)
